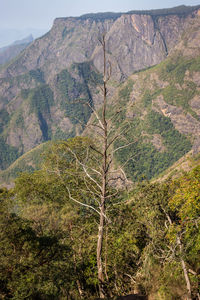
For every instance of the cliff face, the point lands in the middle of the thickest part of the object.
(134, 42)
(69, 41)
(162, 107)
(44, 92)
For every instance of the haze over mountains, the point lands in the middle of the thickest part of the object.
(9, 35)
(40, 88)
(9, 52)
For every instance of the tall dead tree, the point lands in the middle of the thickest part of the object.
(105, 169)
(97, 184)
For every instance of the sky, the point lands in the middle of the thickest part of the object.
(39, 14)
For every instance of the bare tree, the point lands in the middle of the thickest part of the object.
(96, 179)
(107, 137)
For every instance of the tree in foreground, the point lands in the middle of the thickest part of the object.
(80, 170)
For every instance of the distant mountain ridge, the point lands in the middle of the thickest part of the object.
(9, 35)
(9, 52)
(182, 10)
(40, 89)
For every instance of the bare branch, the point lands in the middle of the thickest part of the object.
(94, 125)
(93, 148)
(112, 195)
(83, 165)
(91, 178)
(116, 178)
(84, 204)
(109, 71)
(124, 174)
(122, 147)
(115, 114)
(96, 114)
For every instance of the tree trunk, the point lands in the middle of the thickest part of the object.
(81, 293)
(185, 271)
(183, 264)
(104, 179)
(99, 254)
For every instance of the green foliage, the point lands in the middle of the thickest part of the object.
(19, 119)
(124, 93)
(141, 159)
(88, 73)
(147, 99)
(31, 263)
(186, 203)
(4, 119)
(37, 75)
(28, 162)
(76, 94)
(24, 93)
(175, 67)
(50, 240)
(41, 98)
(195, 66)
(180, 98)
(8, 154)
(61, 156)
(162, 253)
(61, 135)
(148, 96)
(181, 10)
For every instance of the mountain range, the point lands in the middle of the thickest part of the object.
(9, 52)
(155, 58)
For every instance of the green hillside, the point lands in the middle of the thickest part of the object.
(28, 162)
(157, 141)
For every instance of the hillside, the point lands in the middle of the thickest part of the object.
(44, 92)
(28, 162)
(100, 169)
(161, 106)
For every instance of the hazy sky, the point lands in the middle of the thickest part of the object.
(20, 14)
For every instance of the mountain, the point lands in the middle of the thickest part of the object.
(9, 52)
(155, 59)
(9, 35)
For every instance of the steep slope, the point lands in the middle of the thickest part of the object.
(28, 162)
(162, 107)
(45, 92)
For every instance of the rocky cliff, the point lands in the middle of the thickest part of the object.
(44, 92)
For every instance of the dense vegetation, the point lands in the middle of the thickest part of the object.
(8, 154)
(76, 95)
(29, 162)
(67, 230)
(48, 242)
(144, 159)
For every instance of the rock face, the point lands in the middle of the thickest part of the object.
(136, 42)
(44, 92)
